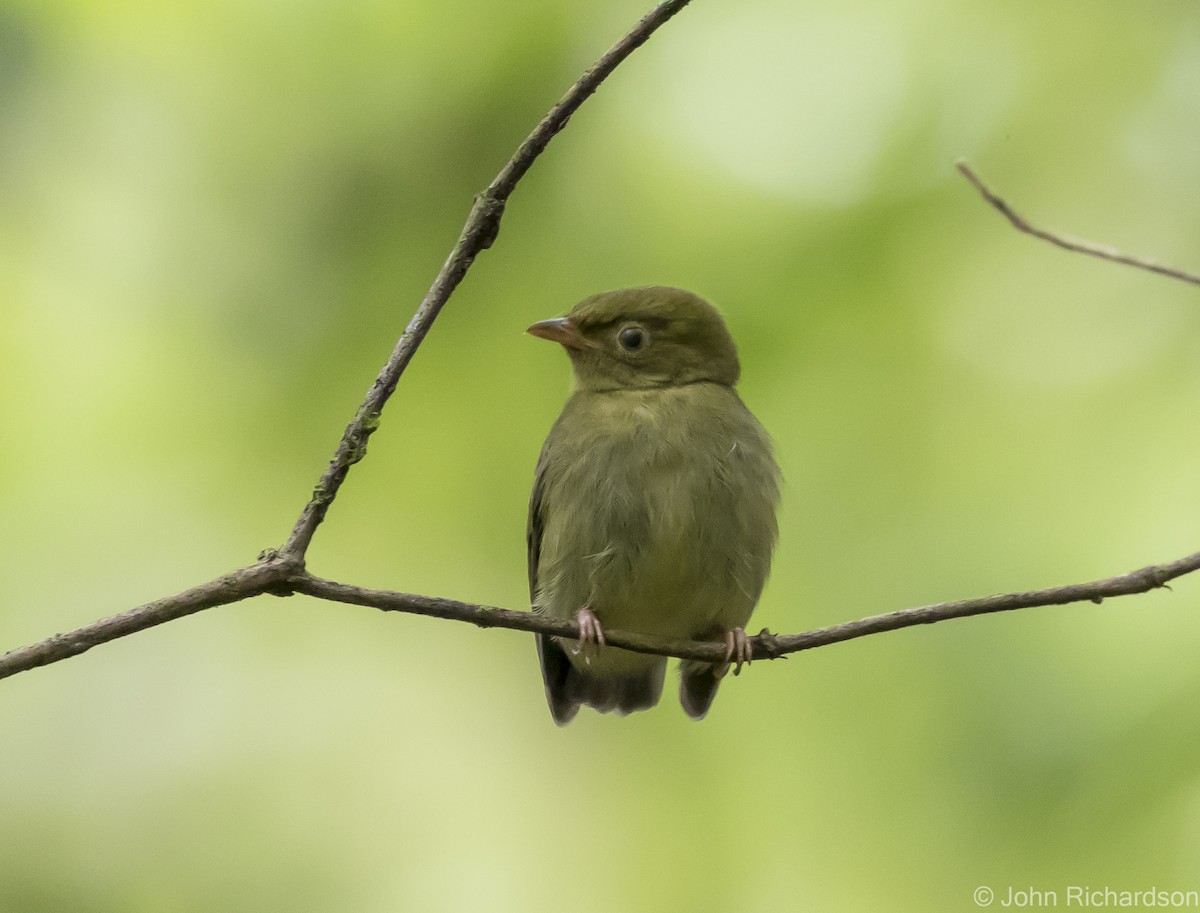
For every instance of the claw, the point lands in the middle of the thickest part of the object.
(591, 635)
(738, 649)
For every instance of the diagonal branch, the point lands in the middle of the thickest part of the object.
(233, 587)
(1080, 247)
(477, 235)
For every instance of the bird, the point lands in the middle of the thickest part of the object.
(654, 501)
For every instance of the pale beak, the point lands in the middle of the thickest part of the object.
(560, 330)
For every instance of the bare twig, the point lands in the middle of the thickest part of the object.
(276, 575)
(1071, 244)
(477, 235)
(765, 645)
(233, 587)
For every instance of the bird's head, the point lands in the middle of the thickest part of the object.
(638, 338)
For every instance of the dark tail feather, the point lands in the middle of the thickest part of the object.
(698, 683)
(568, 687)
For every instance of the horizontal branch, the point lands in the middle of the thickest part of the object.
(281, 577)
(1072, 244)
(764, 645)
(1140, 581)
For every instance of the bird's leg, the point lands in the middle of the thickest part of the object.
(591, 635)
(738, 650)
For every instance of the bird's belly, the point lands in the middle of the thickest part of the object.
(677, 578)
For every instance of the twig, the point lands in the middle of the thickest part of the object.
(1071, 244)
(765, 645)
(477, 235)
(233, 587)
(277, 576)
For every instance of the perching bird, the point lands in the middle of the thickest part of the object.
(653, 506)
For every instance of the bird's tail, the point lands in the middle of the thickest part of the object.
(568, 686)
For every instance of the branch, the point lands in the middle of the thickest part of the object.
(477, 235)
(233, 587)
(275, 568)
(1071, 244)
(282, 577)
(765, 645)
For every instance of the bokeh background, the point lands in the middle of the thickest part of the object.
(216, 218)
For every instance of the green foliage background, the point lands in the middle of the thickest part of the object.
(216, 219)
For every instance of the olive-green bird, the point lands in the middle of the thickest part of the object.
(653, 506)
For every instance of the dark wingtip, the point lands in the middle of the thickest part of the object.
(556, 672)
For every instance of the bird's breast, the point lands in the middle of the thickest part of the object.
(680, 525)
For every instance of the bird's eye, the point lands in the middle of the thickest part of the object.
(632, 338)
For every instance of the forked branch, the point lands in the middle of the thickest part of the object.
(283, 572)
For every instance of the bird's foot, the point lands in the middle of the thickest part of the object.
(591, 635)
(738, 650)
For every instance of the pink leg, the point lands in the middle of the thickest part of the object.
(591, 635)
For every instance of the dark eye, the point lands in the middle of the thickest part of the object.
(632, 338)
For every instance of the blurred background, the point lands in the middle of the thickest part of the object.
(217, 218)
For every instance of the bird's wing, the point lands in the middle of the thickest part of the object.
(556, 667)
(534, 525)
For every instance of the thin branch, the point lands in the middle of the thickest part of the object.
(281, 577)
(233, 587)
(765, 645)
(1080, 247)
(477, 235)
(1142, 580)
